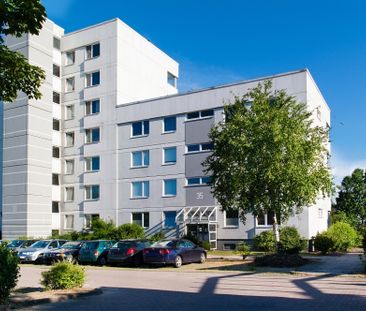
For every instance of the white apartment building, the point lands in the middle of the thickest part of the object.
(112, 138)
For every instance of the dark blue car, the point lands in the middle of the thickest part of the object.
(174, 252)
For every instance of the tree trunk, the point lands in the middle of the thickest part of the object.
(276, 232)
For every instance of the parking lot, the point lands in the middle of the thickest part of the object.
(194, 288)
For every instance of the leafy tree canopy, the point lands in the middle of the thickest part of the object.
(351, 198)
(268, 156)
(18, 17)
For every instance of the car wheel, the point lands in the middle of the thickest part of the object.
(178, 262)
(102, 261)
(202, 257)
(137, 261)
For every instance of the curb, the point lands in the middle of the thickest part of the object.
(22, 301)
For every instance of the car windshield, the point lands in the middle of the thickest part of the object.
(40, 244)
(71, 245)
(164, 243)
(15, 243)
(91, 245)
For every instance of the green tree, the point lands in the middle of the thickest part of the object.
(18, 17)
(351, 198)
(268, 156)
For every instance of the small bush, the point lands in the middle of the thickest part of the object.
(323, 243)
(157, 236)
(290, 241)
(129, 231)
(9, 272)
(242, 249)
(343, 236)
(206, 245)
(63, 275)
(265, 242)
(280, 261)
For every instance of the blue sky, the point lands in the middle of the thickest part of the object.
(217, 41)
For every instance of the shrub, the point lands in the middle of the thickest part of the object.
(280, 260)
(157, 236)
(265, 242)
(290, 241)
(9, 272)
(364, 243)
(242, 249)
(206, 245)
(63, 275)
(323, 243)
(343, 236)
(129, 231)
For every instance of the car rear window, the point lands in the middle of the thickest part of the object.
(164, 243)
(91, 245)
(124, 244)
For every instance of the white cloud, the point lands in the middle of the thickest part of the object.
(342, 167)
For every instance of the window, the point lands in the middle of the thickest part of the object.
(56, 125)
(170, 187)
(56, 43)
(172, 79)
(200, 114)
(232, 218)
(199, 147)
(56, 70)
(89, 218)
(70, 57)
(69, 166)
(56, 152)
(194, 181)
(140, 158)
(69, 194)
(92, 192)
(140, 189)
(55, 207)
(56, 97)
(69, 111)
(69, 221)
(320, 213)
(70, 139)
(170, 124)
(92, 106)
(70, 84)
(140, 128)
(55, 179)
(92, 50)
(92, 164)
(267, 219)
(170, 155)
(169, 219)
(141, 219)
(92, 135)
(92, 79)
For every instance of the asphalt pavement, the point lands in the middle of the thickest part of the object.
(156, 289)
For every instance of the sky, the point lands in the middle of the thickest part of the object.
(223, 41)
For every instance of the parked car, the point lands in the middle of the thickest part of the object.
(68, 252)
(16, 245)
(95, 252)
(175, 252)
(35, 252)
(127, 251)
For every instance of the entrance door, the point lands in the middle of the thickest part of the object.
(199, 231)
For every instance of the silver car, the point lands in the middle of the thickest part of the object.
(36, 251)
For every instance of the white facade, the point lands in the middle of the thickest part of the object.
(104, 142)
